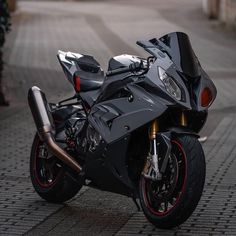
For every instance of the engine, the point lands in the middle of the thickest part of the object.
(73, 129)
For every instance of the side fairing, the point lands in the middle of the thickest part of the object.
(106, 167)
(118, 117)
(114, 120)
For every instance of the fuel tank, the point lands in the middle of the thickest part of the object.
(122, 61)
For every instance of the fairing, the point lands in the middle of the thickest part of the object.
(115, 118)
(127, 103)
(178, 47)
(174, 54)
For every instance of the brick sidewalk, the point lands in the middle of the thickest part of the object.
(103, 29)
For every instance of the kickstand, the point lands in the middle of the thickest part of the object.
(136, 204)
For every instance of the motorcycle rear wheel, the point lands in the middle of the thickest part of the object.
(171, 201)
(48, 176)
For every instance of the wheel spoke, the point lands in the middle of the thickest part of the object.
(162, 195)
(166, 205)
(172, 201)
(47, 167)
(157, 205)
(51, 164)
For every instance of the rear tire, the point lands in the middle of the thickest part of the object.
(170, 210)
(48, 176)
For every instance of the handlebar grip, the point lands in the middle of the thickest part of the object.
(133, 67)
(118, 71)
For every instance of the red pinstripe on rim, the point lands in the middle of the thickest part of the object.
(143, 185)
(36, 170)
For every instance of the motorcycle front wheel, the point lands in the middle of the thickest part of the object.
(171, 201)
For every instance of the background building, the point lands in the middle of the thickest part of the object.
(224, 10)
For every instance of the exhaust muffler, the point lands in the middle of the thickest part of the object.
(45, 126)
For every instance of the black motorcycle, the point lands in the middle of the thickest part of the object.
(133, 131)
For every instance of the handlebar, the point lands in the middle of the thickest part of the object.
(136, 66)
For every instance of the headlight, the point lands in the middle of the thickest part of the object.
(171, 87)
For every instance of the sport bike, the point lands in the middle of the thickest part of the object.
(131, 131)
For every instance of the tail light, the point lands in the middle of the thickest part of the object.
(206, 97)
(77, 83)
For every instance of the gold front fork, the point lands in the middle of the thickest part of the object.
(183, 119)
(154, 129)
(151, 168)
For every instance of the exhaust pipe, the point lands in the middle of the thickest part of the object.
(45, 126)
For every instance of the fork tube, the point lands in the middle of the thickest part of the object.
(154, 130)
(183, 119)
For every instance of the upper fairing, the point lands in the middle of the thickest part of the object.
(174, 54)
(177, 47)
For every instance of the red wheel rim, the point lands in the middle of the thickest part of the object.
(46, 178)
(178, 192)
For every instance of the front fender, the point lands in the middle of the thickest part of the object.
(164, 140)
(176, 131)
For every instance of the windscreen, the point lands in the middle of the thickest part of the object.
(178, 47)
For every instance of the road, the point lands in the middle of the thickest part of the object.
(104, 29)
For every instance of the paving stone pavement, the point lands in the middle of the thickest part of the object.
(215, 214)
(103, 29)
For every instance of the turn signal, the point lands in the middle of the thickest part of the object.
(77, 84)
(206, 97)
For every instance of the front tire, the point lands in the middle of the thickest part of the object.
(48, 176)
(170, 202)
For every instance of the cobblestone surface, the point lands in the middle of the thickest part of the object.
(20, 209)
(103, 29)
(93, 213)
(215, 214)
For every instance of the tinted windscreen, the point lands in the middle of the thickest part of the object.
(177, 45)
